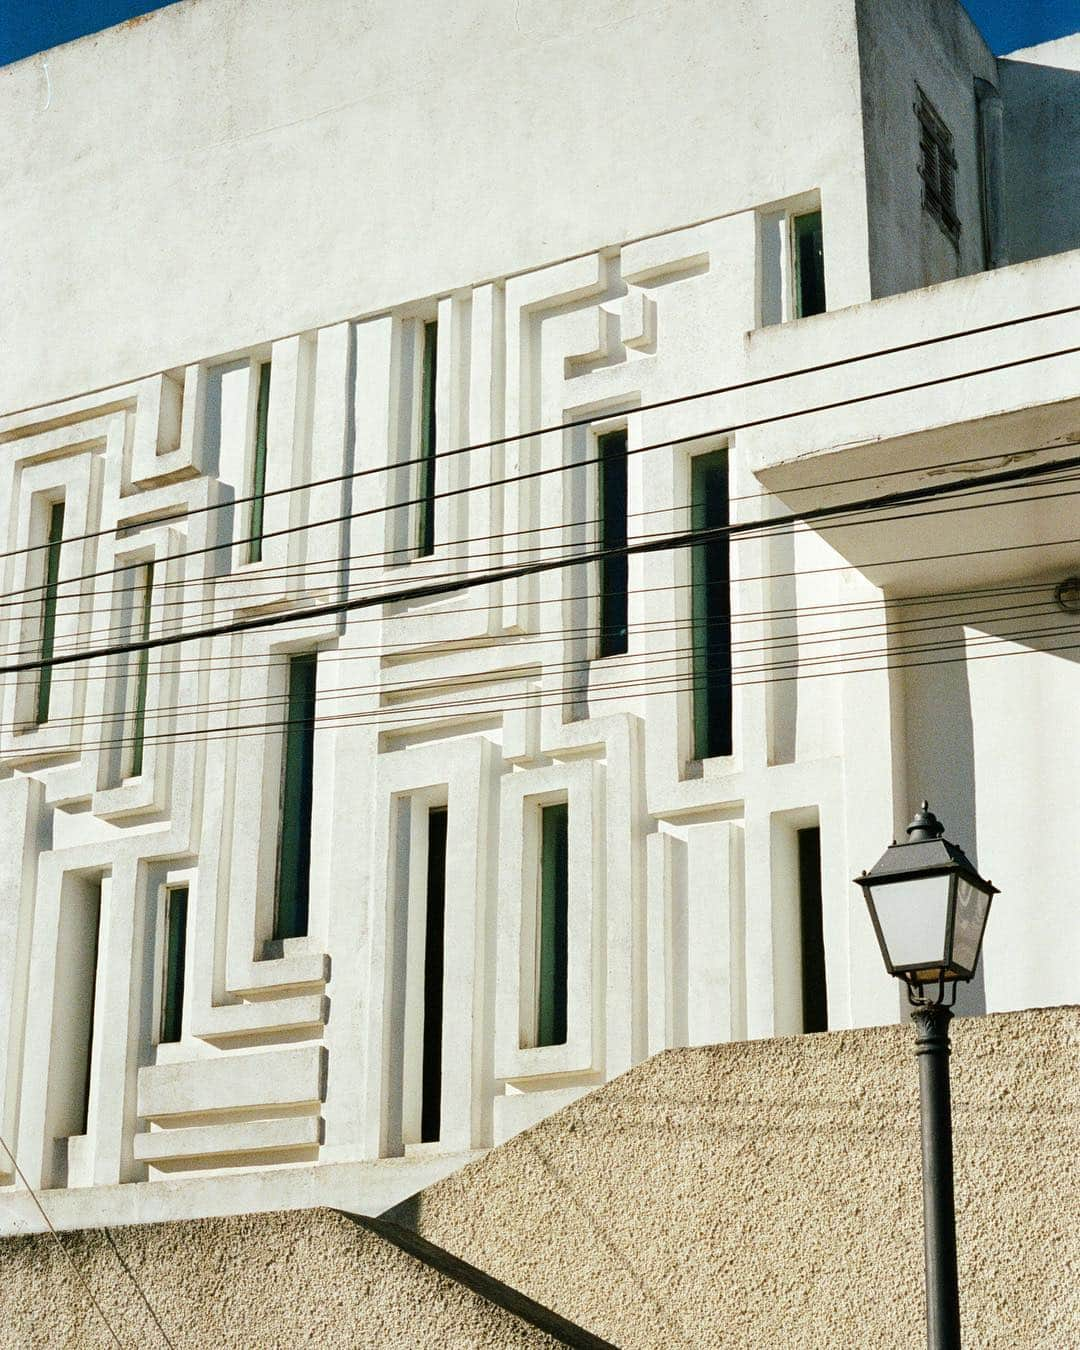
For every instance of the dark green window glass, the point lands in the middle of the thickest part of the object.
(258, 483)
(425, 543)
(434, 935)
(553, 934)
(808, 247)
(711, 605)
(172, 994)
(48, 608)
(294, 853)
(142, 670)
(815, 1004)
(613, 571)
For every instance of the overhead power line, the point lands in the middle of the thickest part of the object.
(569, 425)
(576, 465)
(439, 587)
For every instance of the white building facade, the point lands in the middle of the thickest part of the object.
(319, 306)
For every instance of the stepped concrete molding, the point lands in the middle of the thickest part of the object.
(745, 1195)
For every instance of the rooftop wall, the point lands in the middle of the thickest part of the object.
(225, 172)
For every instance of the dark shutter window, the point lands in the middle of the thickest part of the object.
(48, 608)
(937, 166)
(551, 1002)
(434, 957)
(172, 993)
(425, 544)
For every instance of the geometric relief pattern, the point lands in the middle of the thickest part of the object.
(489, 703)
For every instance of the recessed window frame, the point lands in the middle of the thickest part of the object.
(712, 704)
(292, 882)
(49, 597)
(612, 508)
(782, 295)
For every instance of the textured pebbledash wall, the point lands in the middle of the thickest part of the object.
(767, 1194)
(745, 1195)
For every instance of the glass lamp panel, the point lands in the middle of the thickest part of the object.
(912, 917)
(972, 906)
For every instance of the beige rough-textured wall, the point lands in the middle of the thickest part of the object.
(767, 1194)
(757, 1194)
(262, 1282)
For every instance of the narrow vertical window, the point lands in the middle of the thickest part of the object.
(611, 451)
(711, 609)
(808, 252)
(434, 932)
(258, 477)
(815, 1007)
(294, 853)
(48, 608)
(553, 936)
(175, 955)
(425, 544)
(86, 993)
(144, 598)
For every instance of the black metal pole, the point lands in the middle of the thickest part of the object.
(939, 1216)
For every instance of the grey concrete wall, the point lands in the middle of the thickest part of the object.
(934, 43)
(1041, 95)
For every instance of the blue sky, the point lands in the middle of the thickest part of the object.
(28, 26)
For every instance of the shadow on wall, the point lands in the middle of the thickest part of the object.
(1042, 158)
(990, 742)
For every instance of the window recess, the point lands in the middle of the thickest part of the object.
(614, 599)
(54, 542)
(792, 264)
(552, 946)
(425, 532)
(258, 474)
(294, 843)
(141, 604)
(711, 608)
(434, 963)
(174, 957)
(937, 166)
(815, 1003)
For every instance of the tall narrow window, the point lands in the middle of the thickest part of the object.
(711, 606)
(258, 477)
(434, 933)
(611, 450)
(175, 955)
(48, 608)
(815, 1006)
(808, 255)
(553, 944)
(425, 543)
(294, 853)
(144, 596)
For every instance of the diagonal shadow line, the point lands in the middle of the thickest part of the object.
(479, 1282)
(560, 1182)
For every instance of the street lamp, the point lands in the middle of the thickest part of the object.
(929, 908)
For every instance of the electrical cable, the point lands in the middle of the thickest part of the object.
(578, 464)
(573, 424)
(63, 1250)
(684, 539)
(800, 639)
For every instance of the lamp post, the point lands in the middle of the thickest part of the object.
(929, 908)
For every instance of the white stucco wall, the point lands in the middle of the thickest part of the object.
(296, 1073)
(260, 167)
